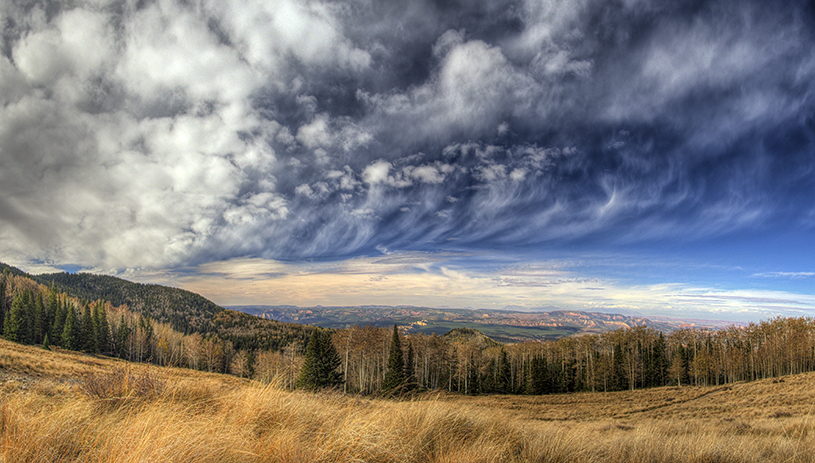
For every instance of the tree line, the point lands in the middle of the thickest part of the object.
(625, 359)
(370, 360)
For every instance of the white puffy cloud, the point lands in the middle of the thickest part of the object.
(340, 133)
(519, 174)
(315, 134)
(427, 174)
(377, 172)
(492, 173)
(473, 89)
(383, 172)
(130, 138)
(267, 32)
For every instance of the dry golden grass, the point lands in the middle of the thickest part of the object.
(58, 406)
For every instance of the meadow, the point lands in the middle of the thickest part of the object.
(69, 407)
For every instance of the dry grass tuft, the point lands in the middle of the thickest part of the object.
(122, 384)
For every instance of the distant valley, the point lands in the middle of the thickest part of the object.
(504, 326)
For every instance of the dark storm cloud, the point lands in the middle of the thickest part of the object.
(166, 133)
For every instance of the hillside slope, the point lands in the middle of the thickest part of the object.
(185, 311)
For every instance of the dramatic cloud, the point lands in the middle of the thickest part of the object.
(170, 134)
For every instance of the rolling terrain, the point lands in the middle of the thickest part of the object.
(63, 406)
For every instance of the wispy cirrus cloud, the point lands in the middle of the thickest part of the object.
(786, 275)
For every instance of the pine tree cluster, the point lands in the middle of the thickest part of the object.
(321, 365)
(54, 322)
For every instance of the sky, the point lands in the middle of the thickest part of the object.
(633, 156)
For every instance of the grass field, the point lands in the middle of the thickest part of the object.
(59, 406)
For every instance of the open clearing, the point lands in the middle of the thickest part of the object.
(61, 406)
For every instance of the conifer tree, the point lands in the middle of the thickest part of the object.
(321, 363)
(410, 371)
(14, 328)
(618, 382)
(488, 383)
(660, 374)
(100, 321)
(122, 335)
(51, 306)
(538, 381)
(504, 381)
(473, 384)
(59, 321)
(2, 300)
(88, 337)
(71, 333)
(38, 321)
(27, 316)
(395, 375)
(46, 343)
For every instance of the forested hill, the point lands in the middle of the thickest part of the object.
(185, 311)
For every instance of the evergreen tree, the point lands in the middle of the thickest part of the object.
(51, 308)
(14, 328)
(27, 314)
(473, 378)
(410, 371)
(46, 343)
(538, 378)
(122, 335)
(660, 362)
(88, 337)
(100, 321)
(321, 363)
(395, 375)
(488, 382)
(60, 315)
(2, 300)
(503, 381)
(38, 321)
(71, 333)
